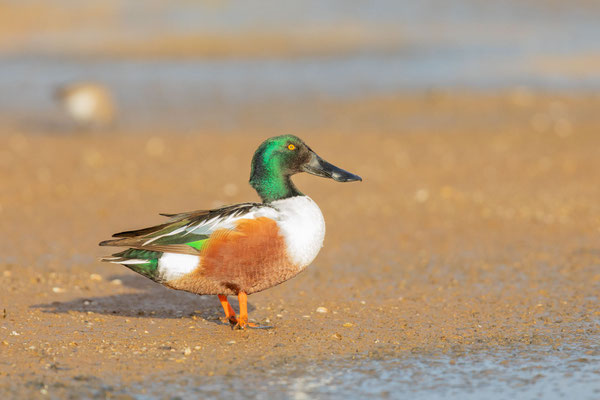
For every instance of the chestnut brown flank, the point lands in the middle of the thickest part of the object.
(250, 258)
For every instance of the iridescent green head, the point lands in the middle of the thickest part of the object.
(280, 157)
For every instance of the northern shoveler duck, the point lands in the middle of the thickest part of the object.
(243, 248)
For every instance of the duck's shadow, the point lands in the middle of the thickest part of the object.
(152, 301)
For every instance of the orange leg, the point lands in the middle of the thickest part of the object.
(243, 321)
(229, 311)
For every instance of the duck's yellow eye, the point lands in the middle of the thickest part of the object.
(291, 147)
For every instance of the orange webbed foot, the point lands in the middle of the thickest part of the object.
(229, 311)
(250, 325)
(243, 320)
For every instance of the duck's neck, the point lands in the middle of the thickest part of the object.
(272, 185)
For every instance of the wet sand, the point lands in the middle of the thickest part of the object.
(476, 230)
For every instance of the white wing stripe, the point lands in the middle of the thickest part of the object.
(130, 262)
(176, 231)
(207, 227)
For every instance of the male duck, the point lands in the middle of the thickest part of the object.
(243, 248)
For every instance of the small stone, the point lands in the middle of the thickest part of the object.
(348, 325)
(231, 342)
(116, 282)
(187, 351)
(306, 316)
(96, 277)
(15, 333)
(322, 310)
(363, 302)
(337, 336)
(57, 289)
(197, 347)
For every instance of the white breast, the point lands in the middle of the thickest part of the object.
(303, 227)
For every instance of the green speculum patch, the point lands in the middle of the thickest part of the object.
(148, 269)
(198, 244)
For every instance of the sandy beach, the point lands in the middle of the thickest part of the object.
(475, 230)
(466, 265)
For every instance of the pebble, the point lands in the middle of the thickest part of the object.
(117, 282)
(348, 324)
(187, 351)
(231, 342)
(337, 336)
(57, 289)
(322, 310)
(96, 277)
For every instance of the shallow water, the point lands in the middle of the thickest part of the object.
(396, 46)
(566, 373)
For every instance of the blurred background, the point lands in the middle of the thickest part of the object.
(190, 65)
(465, 265)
